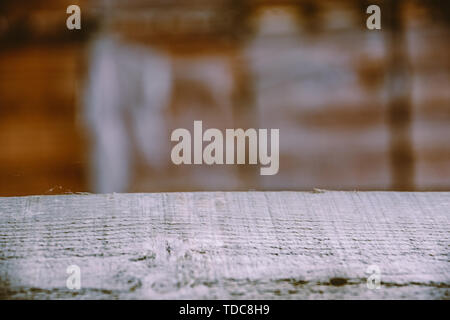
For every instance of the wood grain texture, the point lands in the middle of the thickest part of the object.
(235, 245)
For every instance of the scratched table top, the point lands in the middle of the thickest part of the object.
(227, 245)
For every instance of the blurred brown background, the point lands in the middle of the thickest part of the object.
(91, 110)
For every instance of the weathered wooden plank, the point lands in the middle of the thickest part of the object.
(226, 245)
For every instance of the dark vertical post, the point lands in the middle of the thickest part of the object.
(399, 108)
(244, 109)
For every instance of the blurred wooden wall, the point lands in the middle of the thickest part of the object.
(324, 81)
(42, 148)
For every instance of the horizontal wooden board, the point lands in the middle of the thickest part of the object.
(228, 245)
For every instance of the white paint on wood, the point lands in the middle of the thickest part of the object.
(226, 245)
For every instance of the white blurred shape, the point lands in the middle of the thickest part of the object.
(127, 90)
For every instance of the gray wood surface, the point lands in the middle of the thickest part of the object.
(286, 245)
